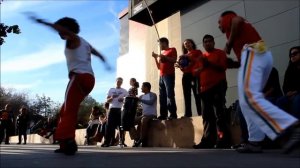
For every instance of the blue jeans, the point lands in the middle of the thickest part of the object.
(167, 96)
(290, 104)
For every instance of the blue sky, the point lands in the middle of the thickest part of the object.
(33, 61)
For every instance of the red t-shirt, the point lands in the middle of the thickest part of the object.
(166, 67)
(247, 35)
(210, 76)
(193, 56)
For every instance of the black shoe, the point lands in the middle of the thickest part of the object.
(137, 143)
(293, 142)
(222, 144)
(7, 143)
(162, 118)
(203, 146)
(237, 146)
(59, 150)
(251, 147)
(19, 143)
(172, 117)
(105, 145)
(70, 147)
(24, 143)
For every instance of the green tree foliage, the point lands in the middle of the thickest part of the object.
(4, 30)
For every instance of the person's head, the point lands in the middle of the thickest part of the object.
(23, 110)
(294, 54)
(8, 107)
(163, 43)
(119, 82)
(208, 42)
(95, 110)
(146, 87)
(188, 45)
(132, 81)
(70, 24)
(225, 21)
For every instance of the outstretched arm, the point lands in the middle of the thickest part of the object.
(98, 54)
(56, 27)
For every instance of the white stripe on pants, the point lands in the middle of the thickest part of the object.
(262, 116)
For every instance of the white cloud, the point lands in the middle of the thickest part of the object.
(52, 54)
(22, 86)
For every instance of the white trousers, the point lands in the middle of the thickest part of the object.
(262, 117)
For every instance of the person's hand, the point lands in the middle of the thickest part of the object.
(197, 71)
(121, 99)
(291, 93)
(154, 55)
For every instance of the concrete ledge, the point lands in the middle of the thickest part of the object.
(180, 133)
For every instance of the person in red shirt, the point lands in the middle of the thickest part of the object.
(165, 63)
(189, 79)
(213, 86)
(262, 117)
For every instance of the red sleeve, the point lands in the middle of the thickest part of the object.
(222, 61)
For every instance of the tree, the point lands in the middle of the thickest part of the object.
(44, 106)
(4, 30)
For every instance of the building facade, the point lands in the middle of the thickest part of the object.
(277, 21)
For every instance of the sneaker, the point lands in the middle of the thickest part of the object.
(251, 147)
(293, 142)
(19, 143)
(70, 147)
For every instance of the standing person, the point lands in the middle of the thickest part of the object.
(133, 91)
(262, 116)
(291, 84)
(81, 80)
(6, 123)
(213, 86)
(189, 79)
(165, 64)
(22, 124)
(149, 105)
(115, 98)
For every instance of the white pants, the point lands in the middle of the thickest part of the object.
(262, 117)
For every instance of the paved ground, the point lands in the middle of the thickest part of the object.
(32, 156)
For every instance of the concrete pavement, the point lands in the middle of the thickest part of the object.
(38, 155)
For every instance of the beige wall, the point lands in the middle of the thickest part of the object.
(276, 20)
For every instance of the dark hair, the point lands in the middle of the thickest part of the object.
(293, 48)
(227, 13)
(69, 23)
(119, 78)
(164, 40)
(136, 84)
(207, 36)
(184, 50)
(147, 84)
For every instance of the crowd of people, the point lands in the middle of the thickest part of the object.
(265, 110)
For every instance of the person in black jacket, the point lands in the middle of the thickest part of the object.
(290, 102)
(22, 124)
